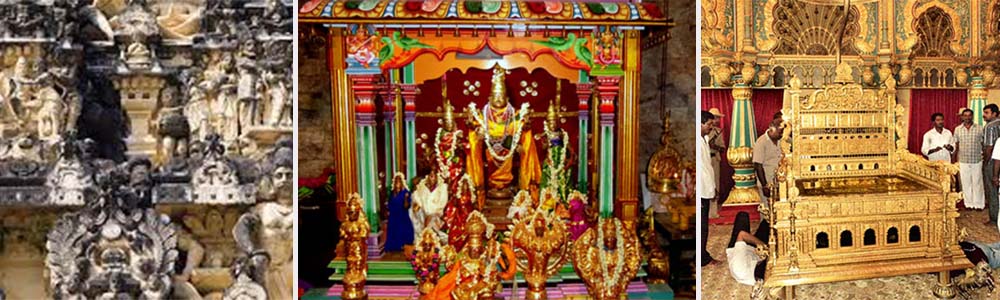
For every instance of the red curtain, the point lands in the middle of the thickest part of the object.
(765, 104)
(926, 102)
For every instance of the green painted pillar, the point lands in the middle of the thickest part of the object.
(409, 93)
(387, 92)
(977, 99)
(740, 154)
(364, 92)
(584, 93)
(607, 88)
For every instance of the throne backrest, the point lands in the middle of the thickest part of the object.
(842, 130)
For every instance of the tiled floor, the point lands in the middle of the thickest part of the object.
(717, 284)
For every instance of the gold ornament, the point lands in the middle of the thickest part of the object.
(606, 258)
(664, 166)
(541, 239)
(354, 233)
(477, 276)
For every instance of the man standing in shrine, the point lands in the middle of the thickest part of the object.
(718, 144)
(937, 141)
(970, 159)
(767, 156)
(706, 186)
(991, 131)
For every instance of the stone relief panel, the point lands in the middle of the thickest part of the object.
(127, 120)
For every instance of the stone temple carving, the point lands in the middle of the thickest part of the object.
(112, 109)
(112, 249)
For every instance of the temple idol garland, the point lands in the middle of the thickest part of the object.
(557, 159)
(355, 234)
(263, 233)
(449, 145)
(577, 214)
(400, 230)
(429, 200)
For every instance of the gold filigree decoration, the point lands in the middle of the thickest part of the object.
(935, 32)
(714, 23)
(910, 39)
(812, 29)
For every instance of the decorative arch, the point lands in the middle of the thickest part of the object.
(804, 28)
(991, 28)
(768, 40)
(933, 27)
(910, 18)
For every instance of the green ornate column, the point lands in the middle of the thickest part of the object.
(977, 99)
(364, 87)
(583, 93)
(607, 87)
(409, 92)
(740, 154)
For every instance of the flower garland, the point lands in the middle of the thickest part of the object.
(442, 159)
(422, 275)
(481, 118)
(619, 252)
(554, 173)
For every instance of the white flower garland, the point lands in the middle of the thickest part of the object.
(619, 252)
(555, 169)
(490, 143)
(441, 160)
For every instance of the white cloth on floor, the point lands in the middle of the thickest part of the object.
(743, 261)
(972, 184)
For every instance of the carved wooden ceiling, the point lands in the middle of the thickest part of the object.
(936, 33)
(812, 29)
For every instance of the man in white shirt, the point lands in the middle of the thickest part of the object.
(706, 187)
(937, 141)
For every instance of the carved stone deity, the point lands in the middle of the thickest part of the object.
(172, 127)
(477, 276)
(541, 238)
(502, 131)
(93, 253)
(248, 86)
(271, 222)
(354, 233)
(606, 258)
(280, 108)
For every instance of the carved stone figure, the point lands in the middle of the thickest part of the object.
(264, 233)
(68, 179)
(96, 252)
(280, 103)
(172, 127)
(355, 232)
(180, 20)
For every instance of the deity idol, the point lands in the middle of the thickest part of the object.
(541, 238)
(355, 232)
(400, 230)
(426, 261)
(577, 214)
(555, 173)
(522, 204)
(606, 258)
(457, 210)
(477, 275)
(448, 142)
(502, 131)
(429, 200)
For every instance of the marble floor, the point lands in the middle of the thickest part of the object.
(717, 284)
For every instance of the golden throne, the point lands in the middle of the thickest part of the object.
(853, 202)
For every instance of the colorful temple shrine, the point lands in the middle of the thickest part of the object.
(482, 121)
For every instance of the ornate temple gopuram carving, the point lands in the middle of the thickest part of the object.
(133, 136)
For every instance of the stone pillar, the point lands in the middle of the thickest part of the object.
(409, 94)
(977, 99)
(627, 199)
(344, 147)
(740, 154)
(139, 95)
(607, 88)
(583, 92)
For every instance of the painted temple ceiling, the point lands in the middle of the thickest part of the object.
(476, 12)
